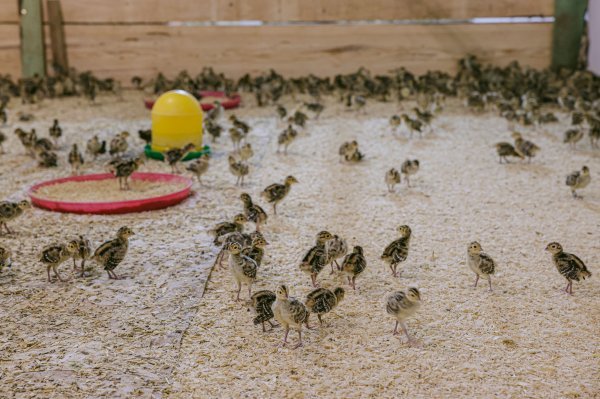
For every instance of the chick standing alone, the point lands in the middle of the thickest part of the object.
(353, 265)
(10, 211)
(409, 168)
(578, 180)
(401, 305)
(112, 252)
(290, 312)
(347, 149)
(275, 193)
(481, 263)
(568, 265)
(397, 250)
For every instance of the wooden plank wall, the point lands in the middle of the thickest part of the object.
(121, 38)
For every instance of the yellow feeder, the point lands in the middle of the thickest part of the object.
(176, 121)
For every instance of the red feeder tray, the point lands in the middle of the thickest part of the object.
(230, 102)
(117, 207)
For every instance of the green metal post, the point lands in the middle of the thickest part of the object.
(566, 36)
(33, 53)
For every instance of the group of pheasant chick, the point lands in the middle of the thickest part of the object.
(523, 148)
(246, 251)
(108, 255)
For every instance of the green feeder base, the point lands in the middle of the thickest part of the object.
(159, 156)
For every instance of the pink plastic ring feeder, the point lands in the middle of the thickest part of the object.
(116, 207)
(228, 103)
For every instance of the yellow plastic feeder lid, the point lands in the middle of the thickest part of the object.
(176, 121)
(177, 103)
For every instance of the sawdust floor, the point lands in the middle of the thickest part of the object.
(154, 335)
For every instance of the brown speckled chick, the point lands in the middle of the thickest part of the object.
(392, 177)
(5, 257)
(83, 252)
(10, 211)
(578, 180)
(568, 265)
(290, 312)
(506, 150)
(524, 147)
(481, 263)
(262, 302)
(255, 213)
(316, 258)
(322, 300)
(276, 192)
(112, 252)
(53, 255)
(397, 250)
(353, 265)
(402, 305)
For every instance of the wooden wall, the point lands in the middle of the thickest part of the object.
(121, 38)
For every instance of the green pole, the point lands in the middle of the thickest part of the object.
(566, 35)
(33, 53)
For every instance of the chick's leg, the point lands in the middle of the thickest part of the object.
(411, 341)
(239, 285)
(287, 331)
(395, 332)
(299, 344)
(476, 280)
(55, 269)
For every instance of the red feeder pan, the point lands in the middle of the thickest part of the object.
(227, 103)
(117, 207)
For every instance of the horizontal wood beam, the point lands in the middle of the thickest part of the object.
(124, 51)
(160, 11)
